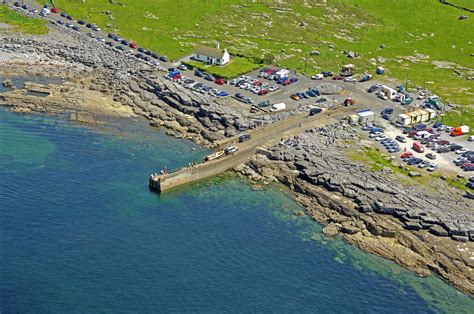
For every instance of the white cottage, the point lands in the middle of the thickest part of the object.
(211, 55)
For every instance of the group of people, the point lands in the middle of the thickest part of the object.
(164, 171)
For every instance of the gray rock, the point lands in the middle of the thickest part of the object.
(439, 231)
(331, 230)
(349, 229)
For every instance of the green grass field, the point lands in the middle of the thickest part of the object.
(424, 40)
(20, 23)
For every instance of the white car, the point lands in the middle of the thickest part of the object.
(432, 167)
(421, 95)
(350, 79)
(317, 77)
(471, 138)
(231, 150)
(461, 151)
(375, 134)
(381, 138)
(273, 88)
(382, 96)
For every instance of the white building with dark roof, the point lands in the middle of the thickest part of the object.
(212, 55)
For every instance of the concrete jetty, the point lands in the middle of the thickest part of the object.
(266, 136)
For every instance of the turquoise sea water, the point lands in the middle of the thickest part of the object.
(81, 232)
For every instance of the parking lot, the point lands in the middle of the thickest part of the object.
(442, 160)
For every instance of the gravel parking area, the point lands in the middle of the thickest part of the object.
(443, 160)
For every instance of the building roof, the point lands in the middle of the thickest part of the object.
(210, 52)
(365, 113)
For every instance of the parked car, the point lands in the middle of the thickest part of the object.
(423, 164)
(182, 67)
(431, 156)
(219, 82)
(209, 77)
(244, 137)
(327, 73)
(418, 147)
(133, 45)
(406, 155)
(375, 134)
(401, 139)
(321, 100)
(443, 149)
(315, 111)
(60, 22)
(199, 73)
(317, 77)
(231, 150)
(471, 138)
(350, 79)
(374, 88)
(432, 167)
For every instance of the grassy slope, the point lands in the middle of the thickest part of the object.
(21, 23)
(258, 30)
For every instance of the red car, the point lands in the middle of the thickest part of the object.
(406, 155)
(286, 83)
(54, 10)
(133, 45)
(412, 133)
(338, 78)
(263, 92)
(220, 82)
(417, 147)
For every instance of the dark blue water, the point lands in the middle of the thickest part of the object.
(81, 232)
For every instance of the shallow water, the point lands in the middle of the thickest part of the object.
(80, 231)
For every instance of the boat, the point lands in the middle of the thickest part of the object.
(215, 155)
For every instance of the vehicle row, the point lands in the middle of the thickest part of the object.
(178, 77)
(311, 92)
(255, 86)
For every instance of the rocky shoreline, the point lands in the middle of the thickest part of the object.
(418, 229)
(423, 230)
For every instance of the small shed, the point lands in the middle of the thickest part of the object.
(366, 116)
(404, 119)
